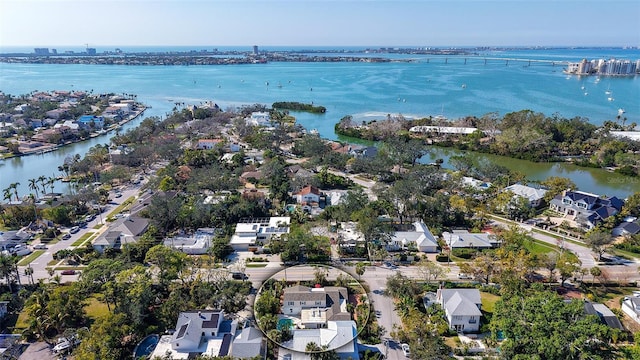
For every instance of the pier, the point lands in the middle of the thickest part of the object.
(487, 60)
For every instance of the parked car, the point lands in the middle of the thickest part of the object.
(464, 276)
(118, 194)
(405, 349)
(74, 229)
(40, 246)
(68, 272)
(239, 276)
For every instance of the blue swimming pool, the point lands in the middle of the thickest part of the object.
(146, 346)
(284, 323)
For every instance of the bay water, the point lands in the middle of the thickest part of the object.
(453, 86)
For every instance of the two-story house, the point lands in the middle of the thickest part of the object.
(586, 209)
(251, 234)
(316, 306)
(198, 332)
(462, 308)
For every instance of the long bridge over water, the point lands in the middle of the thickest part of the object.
(486, 60)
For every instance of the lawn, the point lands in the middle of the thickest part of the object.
(256, 265)
(22, 323)
(538, 247)
(488, 301)
(121, 207)
(95, 308)
(29, 258)
(82, 239)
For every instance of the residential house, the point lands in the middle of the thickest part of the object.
(252, 234)
(249, 343)
(349, 237)
(421, 238)
(462, 308)
(627, 228)
(586, 209)
(198, 332)
(90, 122)
(196, 244)
(631, 306)
(308, 195)
(122, 231)
(56, 113)
(208, 144)
(259, 118)
(368, 152)
(475, 183)
(11, 238)
(72, 126)
(316, 306)
(339, 336)
(535, 196)
(605, 314)
(463, 239)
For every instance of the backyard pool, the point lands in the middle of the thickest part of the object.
(284, 323)
(146, 346)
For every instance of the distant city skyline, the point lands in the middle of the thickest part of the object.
(98, 23)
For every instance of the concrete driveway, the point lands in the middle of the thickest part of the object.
(38, 351)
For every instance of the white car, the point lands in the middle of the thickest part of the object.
(405, 349)
(40, 246)
(464, 276)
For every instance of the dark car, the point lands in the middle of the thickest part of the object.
(239, 276)
(68, 272)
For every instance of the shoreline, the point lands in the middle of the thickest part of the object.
(54, 147)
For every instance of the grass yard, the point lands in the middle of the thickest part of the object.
(121, 207)
(82, 239)
(256, 265)
(29, 258)
(488, 301)
(538, 247)
(22, 323)
(96, 308)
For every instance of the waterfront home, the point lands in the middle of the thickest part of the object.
(252, 234)
(586, 209)
(535, 196)
(475, 183)
(198, 332)
(457, 239)
(420, 238)
(196, 244)
(90, 122)
(627, 228)
(462, 308)
(259, 118)
(56, 113)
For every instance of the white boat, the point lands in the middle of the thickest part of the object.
(621, 111)
(610, 98)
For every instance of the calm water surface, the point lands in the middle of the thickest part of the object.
(428, 86)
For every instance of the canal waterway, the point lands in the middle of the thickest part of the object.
(364, 90)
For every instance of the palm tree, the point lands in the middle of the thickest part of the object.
(29, 272)
(7, 194)
(7, 264)
(14, 186)
(42, 179)
(33, 185)
(50, 182)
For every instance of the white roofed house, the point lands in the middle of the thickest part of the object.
(535, 196)
(259, 118)
(457, 239)
(252, 234)
(198, 332)
(631, 306)
(420, 238)
(462, 308)
(122, 231)
(196, 244)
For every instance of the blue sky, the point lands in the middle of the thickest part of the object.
(320, 22)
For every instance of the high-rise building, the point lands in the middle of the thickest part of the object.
(41, 51)
(255, 49)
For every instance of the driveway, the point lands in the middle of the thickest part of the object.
(38, 351)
